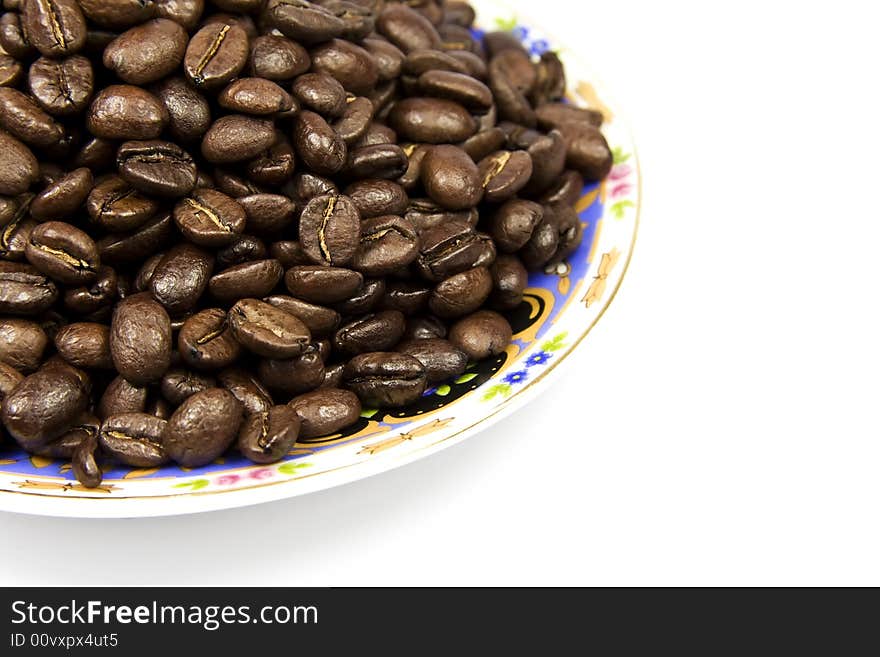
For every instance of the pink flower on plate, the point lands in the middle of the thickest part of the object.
(262, 473)
(621, 190)
(620, 171)
(227, 480)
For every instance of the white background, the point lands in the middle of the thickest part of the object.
(719, 426)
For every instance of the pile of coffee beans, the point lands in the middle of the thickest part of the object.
(232, 223)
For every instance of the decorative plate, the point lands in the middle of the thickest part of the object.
(559, 310)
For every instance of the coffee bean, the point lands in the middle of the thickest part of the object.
(184, 12)
(22, 117)
(180, 278)
(97, 154)
(24, 290)
(380, 331)
(18, 166)
(63, 197)
(216, 54)
(442, 360)
(387, 57)
(555, 115)
(408, 297)
(246, 389)
(451, 178)
(255, 96)
(511, 100)
(325, 412)
(387, 244)
(293, 376)
(188, 111)
(406, 28)
(329, 229)
(304, 21)
(349, 63)
(267, 437)
(274, 166)
(451, 248)
(140, 339)
(320, 93)
(484, 143)
(85, 466)
(384, 161)
(210, 218)
(431, 120)
(268, 213)
(587, 150)
(461, 294)
(158, 168)
(319, 320)
(566, 191)
(137, 245)
(13, 39)
(134, 439)
(85, 345)
(235, 138)
(148, 52)
(250, 279)
(22, 343)
(481, 335)
(542, 244)
(120, 396)
(277, 58)
(504, 173)
(123, 111)
(418, 62)
(63, 252)
(321, 149)
(179, 384)
(56, 28)
(266, 330)
(375, 198)
(9, 378)
(115, 206)
(459, 87)
(322, 284)
(205, 341)
(513, 224)
(509, 280)
(118, 14)
(354, 120)
(424, 328)
(243, 249)
(11, 70)
(385, 379)
(202, 428)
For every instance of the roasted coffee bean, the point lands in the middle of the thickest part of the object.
(587, 150)
(407, 297)
(509, 280)
(364, 300)
(424, 328)
(451, 248)
(451, 178)
(216, 54)
(277, 58)
(97, 154)
(134, 439)
(56, 28)
(461, 294)
(140, 339)
(380, 331)
(353, 66)
(13, 39)
(385, 379)
(205, 341)
(556, 114)
(511, 100)
(543, 243)
(513, 224)
(18, 166)
(459, 87)
(243, 249)
(145, 273)
(442, 360)
(375, 198)
(293, 376)
(210, 218)
(484, 143)
(431, 120)
(118, 14)
(11, 70)
(115, 206)
(23, 118)
(158, 168)
(423, 214)
(321, 285)
(320, 93)
(148, 52)
(250, 279)
(329, 229)
(325, 412)
(123, 111)
(387, 244)
(188, 111)
(137, 245)
(255, 96)
(406, 28)
(267, 437)
(387, 57)
(246, 389)
(504, 173)
(15, 235)
(96, 296)
(120, 396)
(63, 252)
(24, 290)
(178, 385)
(384, 161)
(274, 166)
(62, 197)
(569, 229)
(22, 343)
(45, 404)
(354, 120)
(566, 191)
(245, 22)
(268, 213)
(234, 185)
(235, 138)
(306, 186)
(266, 330)
(304, 21)
(85, 345)
(377, 133)
(185, 12)
(481, 335)
(418, 62)
(319, 320)
(65, 446)
(85, 466)
(203, 427)
(319, 146)
(180, 278)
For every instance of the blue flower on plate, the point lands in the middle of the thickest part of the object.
(538, 358)
(521, 32)
(516, 377)
(539, 47)
(477, 33)
(429, 392)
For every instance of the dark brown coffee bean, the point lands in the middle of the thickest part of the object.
(137, 245)
(9, 378)
(23, 118)
(504, 173)
(387, 244)
(512, 224)
(555, 115)
(388, 58)
(188, 111)
(442, 360)
(122, 111)
(11, 71)
(158, 168)
(118, 14)
(56, 28)
(329, 229)
(406, 28)
(380, 331)
(354, 120)
(543, 243)
(63, 252)
(24, 290)
(234, 185)
(418, 62)
(325, 412)
(266, 330)
(246, 389)
(134, 439)
(115, 206)
(268, 437)
(511, 101)
(459, 87)
(431, 120)
(349, 63)
(306, 186)
(566, 191)
(483, 143)
(408, 297)
(451, 248)
(45, 404)
(481, 335)
(509, 280)
(235, 138)
(320, 93)
(13, 39)
(85, 466)
(321, 149)
(385, 379)
(178, 385)
(319, 320)
(424, 328)
(274, 166)
(304, 21)
(268, 213)
(384, 161)
(375, 198)
(140, 339)
(461, 294)
(95, 297)
(322, 285)
(63, 197)
(97, 154)
(180, 278)
(203, 427)
(245, 22)
(185, 12)
(206, 343)
(120, 396)
(587, 150)
(210, 218)
(85, 345)
(293, 376)
(255, 96)
(216, 54)
(22, 344)
(277, 58)
(250, 279)
(147, 52)
(364, 300)
(18, 166)
(244, 249)
(451, 178)
(424, 214)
